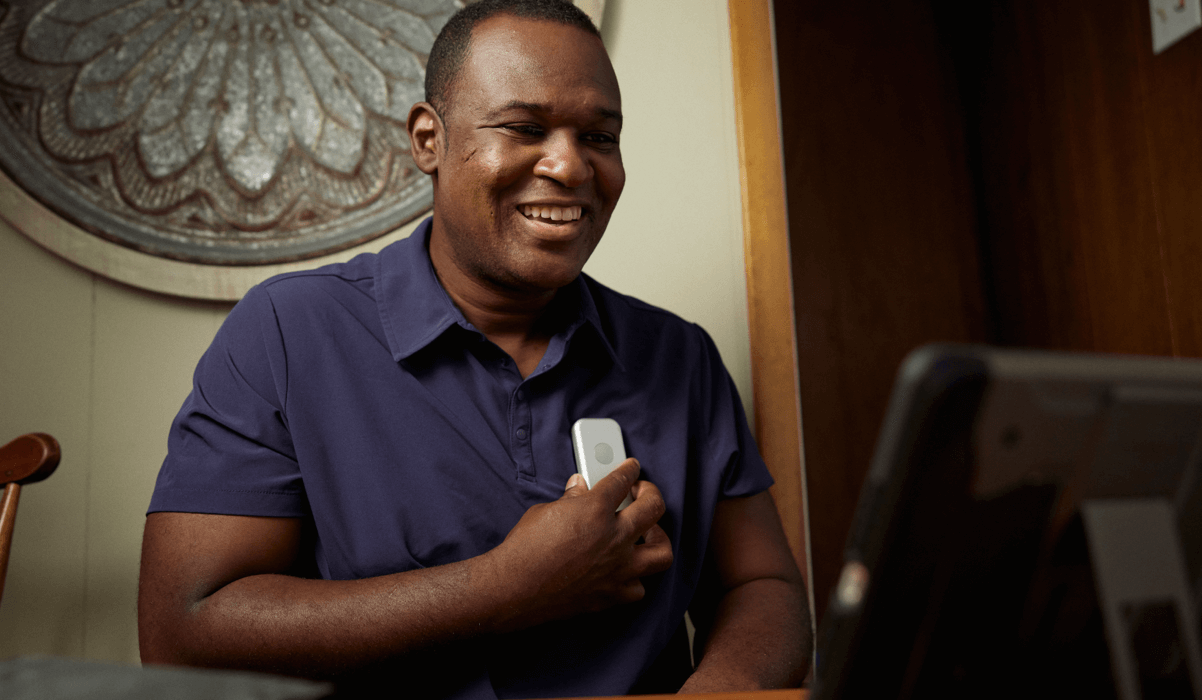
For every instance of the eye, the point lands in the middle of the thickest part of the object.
(524, 129)
(601, 138)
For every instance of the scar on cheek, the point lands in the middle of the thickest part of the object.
(469, 156)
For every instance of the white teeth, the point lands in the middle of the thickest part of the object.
(552, 213)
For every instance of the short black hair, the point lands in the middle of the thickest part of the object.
(450, 49)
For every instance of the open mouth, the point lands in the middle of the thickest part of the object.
(551, 214)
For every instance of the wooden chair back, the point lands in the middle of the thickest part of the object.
(26, 460)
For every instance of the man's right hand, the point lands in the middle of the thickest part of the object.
(578, 555)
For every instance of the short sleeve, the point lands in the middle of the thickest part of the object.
(730, 438)
(229, 450)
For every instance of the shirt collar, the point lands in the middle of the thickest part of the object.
(590, 315)
(415, 309)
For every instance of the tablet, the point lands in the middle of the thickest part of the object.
(1031, 525)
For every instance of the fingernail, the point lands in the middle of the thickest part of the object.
(573, 481)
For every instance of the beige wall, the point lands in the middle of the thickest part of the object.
(104, 367)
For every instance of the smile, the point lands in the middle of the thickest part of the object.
(532, 211)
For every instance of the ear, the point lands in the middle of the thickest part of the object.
(426, 137)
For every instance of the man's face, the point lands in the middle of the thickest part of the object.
(532, 168)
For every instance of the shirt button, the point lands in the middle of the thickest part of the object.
(521, 395)
(521, 433)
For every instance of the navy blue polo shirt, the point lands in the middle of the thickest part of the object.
(357, 396)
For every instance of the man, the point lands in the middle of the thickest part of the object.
(367, 481)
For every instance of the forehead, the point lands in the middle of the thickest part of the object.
(536, 61)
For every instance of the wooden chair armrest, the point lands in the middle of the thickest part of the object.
(29, 459)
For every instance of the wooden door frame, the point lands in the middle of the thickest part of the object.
(774, 369)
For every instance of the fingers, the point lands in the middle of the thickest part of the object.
(632, 592)
(655, 536)
(654, 555)
(618, 483)
(576, 486)
(646, 510)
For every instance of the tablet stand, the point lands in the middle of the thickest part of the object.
(1142, 589)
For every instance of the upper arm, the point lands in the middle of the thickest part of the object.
(752, 599)
(747, 542)
(186, 557)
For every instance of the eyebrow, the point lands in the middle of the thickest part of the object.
(534, 107)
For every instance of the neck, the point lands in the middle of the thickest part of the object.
(511, 319)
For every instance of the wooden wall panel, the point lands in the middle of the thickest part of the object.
(1173, 104)
(1069, 201)
(1017, 171)
(882, 230)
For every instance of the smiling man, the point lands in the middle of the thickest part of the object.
(372, 479)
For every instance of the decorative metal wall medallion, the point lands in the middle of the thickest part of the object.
(222, 132)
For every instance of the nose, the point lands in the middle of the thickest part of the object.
(564, 160)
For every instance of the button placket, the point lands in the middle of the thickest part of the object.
(521, 427)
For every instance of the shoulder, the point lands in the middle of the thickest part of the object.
(359, 272)
(314, 294)
(302, 307)
(623, 309)
(636, 327)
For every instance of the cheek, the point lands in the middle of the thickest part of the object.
(611, 178)
(499, 167)
(479, 169)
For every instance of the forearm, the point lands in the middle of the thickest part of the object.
(323, 629)
(219, 590)
(760, 638)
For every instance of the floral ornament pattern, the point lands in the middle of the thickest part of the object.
(218, 131)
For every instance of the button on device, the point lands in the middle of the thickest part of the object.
(604, 453)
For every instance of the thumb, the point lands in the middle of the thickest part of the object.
(576, 486)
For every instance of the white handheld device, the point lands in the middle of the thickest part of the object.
(598, 447)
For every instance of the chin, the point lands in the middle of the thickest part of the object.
(548, 274)
(549, 283)
(548, 280)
